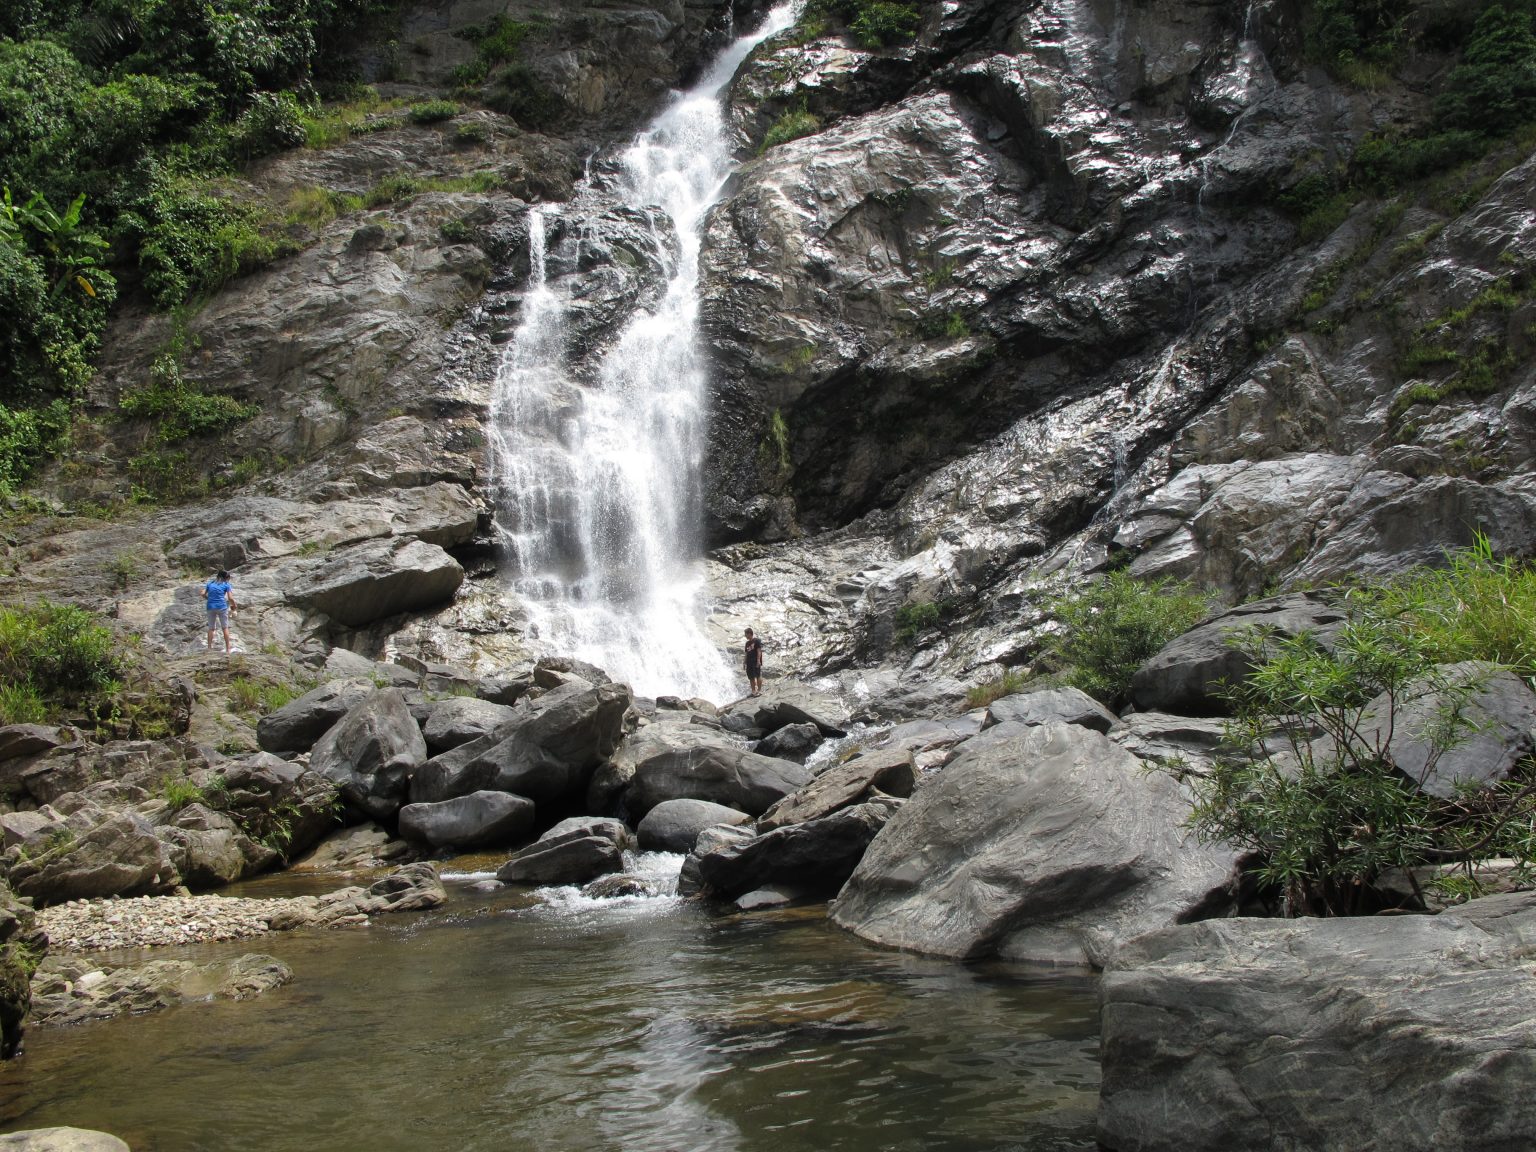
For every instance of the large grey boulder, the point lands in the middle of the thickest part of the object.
(1496, 726)
(792, 742)
(1191, 673)
(888, 770)
(615, 830)
(716, 772)
(449, 774)
(815, 856)
(572, 858)
(280, 803)
(1414, 1033)
(460, 719)
(360, 584)
(689, 880)
(479, 820)
(674, 825)
(370, 754)
(578, 724)
(518, 765)
(210, 850)
(91, 853)
(1045, 843)
(299, 723)
(1068, 705)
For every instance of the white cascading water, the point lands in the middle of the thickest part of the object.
(598, 486)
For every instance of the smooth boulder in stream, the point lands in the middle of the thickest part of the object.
(1046, 843)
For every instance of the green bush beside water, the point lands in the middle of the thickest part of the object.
(1330, 816)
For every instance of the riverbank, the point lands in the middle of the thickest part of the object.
(158, 921)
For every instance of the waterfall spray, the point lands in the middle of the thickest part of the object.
(598, 484)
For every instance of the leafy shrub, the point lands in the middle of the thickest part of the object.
(433, 111)
(915, 618)
(28, 436)
(1493, 89)
(179, 791)
(181, 409)
(274, 121)
(873, 23)
(1330, 814)
(57, 653)
(793, 124)
(520, 94)
(1115, 626)
(191, 241)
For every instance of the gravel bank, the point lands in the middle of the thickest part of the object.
(154, 921)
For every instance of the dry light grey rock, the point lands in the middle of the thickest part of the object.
(1414, 1033)
(1045, 843)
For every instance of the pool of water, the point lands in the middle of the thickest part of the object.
(506, 1021)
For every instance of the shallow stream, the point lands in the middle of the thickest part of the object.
(550, 1023)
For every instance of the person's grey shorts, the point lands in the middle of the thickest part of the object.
(218, 618)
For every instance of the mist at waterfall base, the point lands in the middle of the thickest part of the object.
(598, 482)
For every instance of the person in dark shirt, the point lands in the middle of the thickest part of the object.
(754, 661)
(221, 599)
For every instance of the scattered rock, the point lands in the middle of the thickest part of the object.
(569, 859)
(674, 825)
(70, 992)
(814, 856)
(370, 754)
(888, 770)
(296, 726)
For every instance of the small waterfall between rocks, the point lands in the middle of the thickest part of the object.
(598, 480)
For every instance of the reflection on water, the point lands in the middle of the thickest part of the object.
(503, 1022)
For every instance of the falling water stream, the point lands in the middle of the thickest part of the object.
(598, 482)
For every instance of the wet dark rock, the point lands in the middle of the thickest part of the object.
(816, 855)
(461, 719)
(75, 992)
(718, 773)
(615, 830)
(791, 742)
(371, 752)
(570, 859)
(22, 946)
(1409, 1032)
(617, 886)
(478, 820)
(781, 704)
(274, 799)
(690, 881)
(887, 770)
(1044, 843)
(299, 723)
(674, 825)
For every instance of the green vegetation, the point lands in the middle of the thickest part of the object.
(180, 791)
(1481, 364)
(1115, 626)
(54, 657)
(258, 697)
(433, 111)
(918, 616)
(793, 124)
(1329, 815)
(119, 122)
(1011, 681)
(872, 23)
(179, 407)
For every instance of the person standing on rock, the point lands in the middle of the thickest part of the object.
(754, 662)
(220, 598)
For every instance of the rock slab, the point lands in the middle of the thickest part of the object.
(1046, 843)
(1414, 1033)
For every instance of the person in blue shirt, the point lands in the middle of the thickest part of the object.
(221, 601)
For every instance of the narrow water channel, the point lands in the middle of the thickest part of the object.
(505, 1022)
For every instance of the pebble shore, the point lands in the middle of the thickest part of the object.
(153, 921)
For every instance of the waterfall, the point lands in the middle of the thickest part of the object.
(598, 482)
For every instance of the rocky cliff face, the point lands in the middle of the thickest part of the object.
(1020, 302)
(1024, 302)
